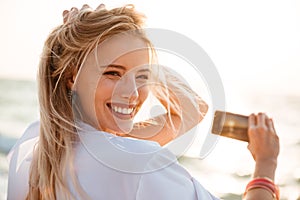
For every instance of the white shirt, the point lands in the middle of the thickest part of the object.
(111, 168)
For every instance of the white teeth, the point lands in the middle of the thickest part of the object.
(124, 111)
(115, 109)
(120, 110)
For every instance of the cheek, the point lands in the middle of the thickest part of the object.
(104, 91)
(143, 93)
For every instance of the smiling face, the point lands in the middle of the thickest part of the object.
(121, 91)
(114, 77)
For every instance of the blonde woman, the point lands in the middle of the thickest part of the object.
(97, 70)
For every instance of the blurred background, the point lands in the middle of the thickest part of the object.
(255, 45)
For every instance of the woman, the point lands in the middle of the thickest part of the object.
(97, 70)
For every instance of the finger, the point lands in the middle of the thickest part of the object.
(251, 120)
(65, 15)
(266, 122)
(261, 119)
(101, 6)
(85, 6)
(74, 11)
(271, 125)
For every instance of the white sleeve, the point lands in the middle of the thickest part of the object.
(172, 182)
(19, 159)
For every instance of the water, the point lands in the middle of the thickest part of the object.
(224, 172)
(18, 107)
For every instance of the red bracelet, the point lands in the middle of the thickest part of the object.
(264, 183)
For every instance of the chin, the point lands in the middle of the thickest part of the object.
(124, 126)
(120, 127)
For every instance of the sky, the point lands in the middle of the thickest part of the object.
(250, 42)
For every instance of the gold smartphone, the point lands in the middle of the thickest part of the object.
(231, 125)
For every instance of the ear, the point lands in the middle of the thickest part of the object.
(70, 82)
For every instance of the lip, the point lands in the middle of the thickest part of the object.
(122, 111)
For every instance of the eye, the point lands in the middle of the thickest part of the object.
(143, 76)
(112, 74)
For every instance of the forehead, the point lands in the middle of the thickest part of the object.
(125, 50)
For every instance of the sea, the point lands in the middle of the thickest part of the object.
(225, 171)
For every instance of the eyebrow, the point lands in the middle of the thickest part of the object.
(123, 68)
(114, 66)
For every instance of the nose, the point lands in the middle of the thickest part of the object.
(127, 88)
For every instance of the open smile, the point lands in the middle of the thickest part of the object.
(122, 111)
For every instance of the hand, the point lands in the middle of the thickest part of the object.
(69, 15)
(263, 140)
(264, 147)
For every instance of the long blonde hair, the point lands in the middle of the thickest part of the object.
(64, 52)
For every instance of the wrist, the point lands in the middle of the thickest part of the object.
(265, 168)
(266, 162)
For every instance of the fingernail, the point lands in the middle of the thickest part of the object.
(65, 12)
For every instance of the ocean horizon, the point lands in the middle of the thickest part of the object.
(225, 179)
